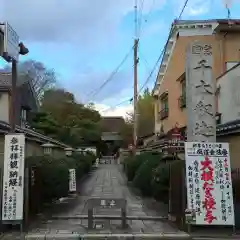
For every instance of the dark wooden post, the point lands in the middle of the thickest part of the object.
(90, 218)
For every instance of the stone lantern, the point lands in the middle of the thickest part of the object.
(47, 148)
(68, 151)
(81, 151)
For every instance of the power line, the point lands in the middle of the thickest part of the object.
(145, 60)
(118, 104)
(147, 17)
(184, 6)
(163, 50)
(155, 65)
(93, 93)
(140, 17)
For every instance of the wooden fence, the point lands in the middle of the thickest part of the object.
(177, 194)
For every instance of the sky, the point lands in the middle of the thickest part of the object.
(85, 41)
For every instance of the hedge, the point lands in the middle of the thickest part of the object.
(83, 163)
(160, 182)
(148, 173)
(131, 164)
(53, 173)
(143, 176)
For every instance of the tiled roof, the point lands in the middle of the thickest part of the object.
(221, 21)
(229, 127)
(31, 134)
(6, 81)
(112, 124)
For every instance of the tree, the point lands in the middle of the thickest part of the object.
(76, 124)
(127, 133)
(40, 76)
(146, 117)
(44, 123)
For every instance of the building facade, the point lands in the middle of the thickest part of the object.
(228, 95)
(170, 85)
(26, 105)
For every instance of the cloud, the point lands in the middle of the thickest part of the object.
(198, 11)
(152, 29)
(122, 111)
(194, 7)
(61, 20)
(118, 105)
(86, 85)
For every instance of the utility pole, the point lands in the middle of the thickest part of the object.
(12, 119)
(22, 51)
(135, 96)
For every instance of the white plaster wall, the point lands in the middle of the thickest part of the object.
(157, 127)
(4, 107)
(229, 95)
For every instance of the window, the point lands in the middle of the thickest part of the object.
(183, 84)
(218, 118)
(182, 98)
(229, 65)
(23, 117)
(164, 103)
(164, 107)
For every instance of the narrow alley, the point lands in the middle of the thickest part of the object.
(108, 181)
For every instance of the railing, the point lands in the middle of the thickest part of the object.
(163, 113)
(182, 101)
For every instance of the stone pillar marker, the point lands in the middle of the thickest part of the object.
(200, 90)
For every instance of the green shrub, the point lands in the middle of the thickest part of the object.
(128, 167)
(53, 173)
(132, 164)
(143, 176)
(83, 163)
(55, 178)
(160, 182)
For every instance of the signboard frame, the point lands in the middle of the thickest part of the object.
(14, 171)
(119, 203)
(209, 189)
(10, 43)
(72, 180)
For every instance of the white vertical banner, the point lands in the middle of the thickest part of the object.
(13, 177)
(72, 180)
(209, 183)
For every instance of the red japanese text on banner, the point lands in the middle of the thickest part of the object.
(209, 184)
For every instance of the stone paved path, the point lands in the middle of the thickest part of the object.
(108, 181)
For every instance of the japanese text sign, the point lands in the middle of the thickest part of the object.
(200, 93)
(11, 42)
(106, 203)
(72, 180)
(13, 177)
(209, 183)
